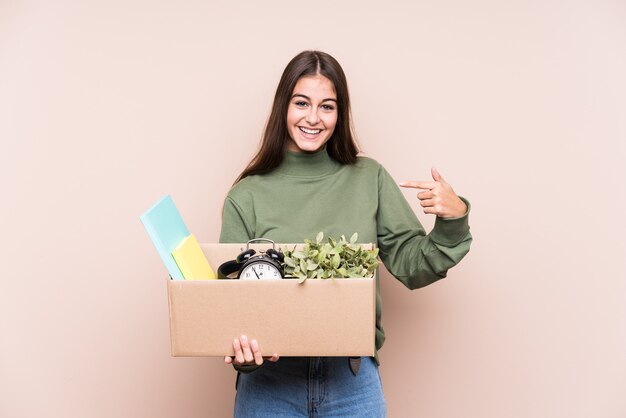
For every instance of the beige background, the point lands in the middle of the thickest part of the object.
(107, 105)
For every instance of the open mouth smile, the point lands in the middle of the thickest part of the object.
(309, 131)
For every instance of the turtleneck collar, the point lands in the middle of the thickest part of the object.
(307, 164)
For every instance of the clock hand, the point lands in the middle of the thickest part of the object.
(255, 273)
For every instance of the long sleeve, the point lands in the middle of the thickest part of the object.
(415, 258)
(237, 222)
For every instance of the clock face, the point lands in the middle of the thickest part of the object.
(259, 270)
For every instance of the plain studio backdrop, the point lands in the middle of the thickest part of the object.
(105, 106)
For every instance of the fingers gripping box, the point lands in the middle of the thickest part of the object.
(320, 317)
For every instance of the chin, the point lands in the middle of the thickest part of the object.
(310, 147)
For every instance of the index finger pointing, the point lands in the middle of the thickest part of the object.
(419, 184)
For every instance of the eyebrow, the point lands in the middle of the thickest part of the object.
(309, 99)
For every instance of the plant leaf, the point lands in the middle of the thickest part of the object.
(335, 261)
(289, 261)
(335, 250)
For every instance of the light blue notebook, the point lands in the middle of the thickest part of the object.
(166, 229)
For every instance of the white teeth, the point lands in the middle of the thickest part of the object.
(310, 131)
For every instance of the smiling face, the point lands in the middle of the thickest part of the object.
(312, 113)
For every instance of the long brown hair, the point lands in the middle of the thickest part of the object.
(341, 146)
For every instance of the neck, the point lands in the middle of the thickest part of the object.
(307, 164)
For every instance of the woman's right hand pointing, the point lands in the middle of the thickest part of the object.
(438, 198)
(247, 353)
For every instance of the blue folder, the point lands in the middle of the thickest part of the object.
(166, 229)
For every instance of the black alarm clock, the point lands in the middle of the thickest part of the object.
(252, 266)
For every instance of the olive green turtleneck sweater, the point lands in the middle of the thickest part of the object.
(309, 193)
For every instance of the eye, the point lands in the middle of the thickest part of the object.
(328, 107)
(301, 103)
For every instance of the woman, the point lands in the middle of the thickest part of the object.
(306, 178)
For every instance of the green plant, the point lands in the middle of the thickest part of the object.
(333, 259)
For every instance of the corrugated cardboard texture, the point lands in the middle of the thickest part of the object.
(316, 318)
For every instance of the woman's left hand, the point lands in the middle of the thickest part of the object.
(438, 197)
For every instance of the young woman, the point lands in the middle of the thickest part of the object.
(306, 178)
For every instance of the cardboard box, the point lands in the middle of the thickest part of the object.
(331, 317)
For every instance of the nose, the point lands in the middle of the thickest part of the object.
(312, 117)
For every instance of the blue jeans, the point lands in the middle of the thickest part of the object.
(311, 387)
